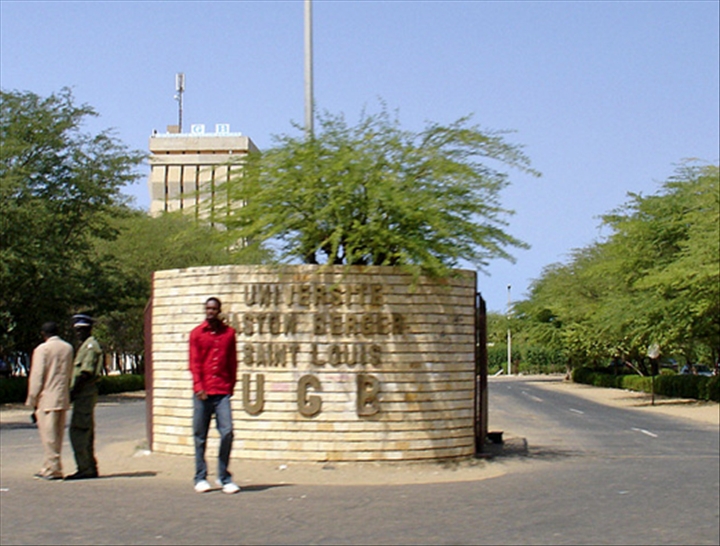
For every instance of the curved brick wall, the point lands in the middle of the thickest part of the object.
(338, 364)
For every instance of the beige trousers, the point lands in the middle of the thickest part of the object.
(51, 426)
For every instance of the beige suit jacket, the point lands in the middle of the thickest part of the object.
(50, 375)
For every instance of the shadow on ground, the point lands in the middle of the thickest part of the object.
(15, 426)
(518, 448)
(143, 474)
(263, 487)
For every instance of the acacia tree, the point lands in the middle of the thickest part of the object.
(59, 186)
(375, 194)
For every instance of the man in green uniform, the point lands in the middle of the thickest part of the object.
(83, 392)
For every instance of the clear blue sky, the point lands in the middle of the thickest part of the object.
(606, 97)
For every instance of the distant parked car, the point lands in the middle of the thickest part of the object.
(668, 364)
(696, 369)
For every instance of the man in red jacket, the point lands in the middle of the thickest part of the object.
(213, 364)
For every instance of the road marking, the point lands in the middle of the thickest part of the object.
(577, 411)
(532, 396)
(652, 435)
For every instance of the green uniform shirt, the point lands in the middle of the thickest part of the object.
(89, 358)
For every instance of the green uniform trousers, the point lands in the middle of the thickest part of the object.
(82, 431)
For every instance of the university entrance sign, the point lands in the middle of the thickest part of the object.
(334, 363)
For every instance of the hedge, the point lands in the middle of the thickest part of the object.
(112, 384)
(674, 386)
(14, 389)
(525, 359)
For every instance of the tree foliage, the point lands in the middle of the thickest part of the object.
(655, 279)
(375, 194)
(59, 188)
(144, 245)
(69, 240)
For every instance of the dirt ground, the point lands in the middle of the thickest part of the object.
(133, 456)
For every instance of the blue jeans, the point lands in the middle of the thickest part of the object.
(219, 404)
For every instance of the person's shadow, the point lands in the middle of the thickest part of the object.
(151, 474)
(15, 425)
(141, 474)
(262, 487)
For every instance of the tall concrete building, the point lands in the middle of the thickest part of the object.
(186, 169)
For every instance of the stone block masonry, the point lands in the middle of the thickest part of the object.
(335, 363)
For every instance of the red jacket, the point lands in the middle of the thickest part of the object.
(213, 359)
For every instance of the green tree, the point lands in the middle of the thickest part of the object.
(59, 188)
(375, 194)
(667, 246)
(143, 245)
(654, 279)
(563, 303)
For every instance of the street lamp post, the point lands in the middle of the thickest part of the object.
(309, 110)
(509, 338)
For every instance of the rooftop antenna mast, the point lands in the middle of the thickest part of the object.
(179, 89)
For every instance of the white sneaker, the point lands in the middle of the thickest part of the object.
(203, 486)
(230, 488)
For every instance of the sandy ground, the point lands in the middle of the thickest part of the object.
(133, 458)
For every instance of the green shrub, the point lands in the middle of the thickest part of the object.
(710, 389)
(541, 360)
(673, 386)
(497, 358)
(608, 380)
(681, 386)
(14, 389)
(637, 383)
(583, 375)
(111, 384)
(591, 376)
(525, 359)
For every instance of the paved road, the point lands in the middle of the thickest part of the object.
(627, 476)
(592, 475)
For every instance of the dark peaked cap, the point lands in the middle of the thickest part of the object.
(82, 321)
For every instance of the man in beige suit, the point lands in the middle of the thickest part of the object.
(49, 395)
